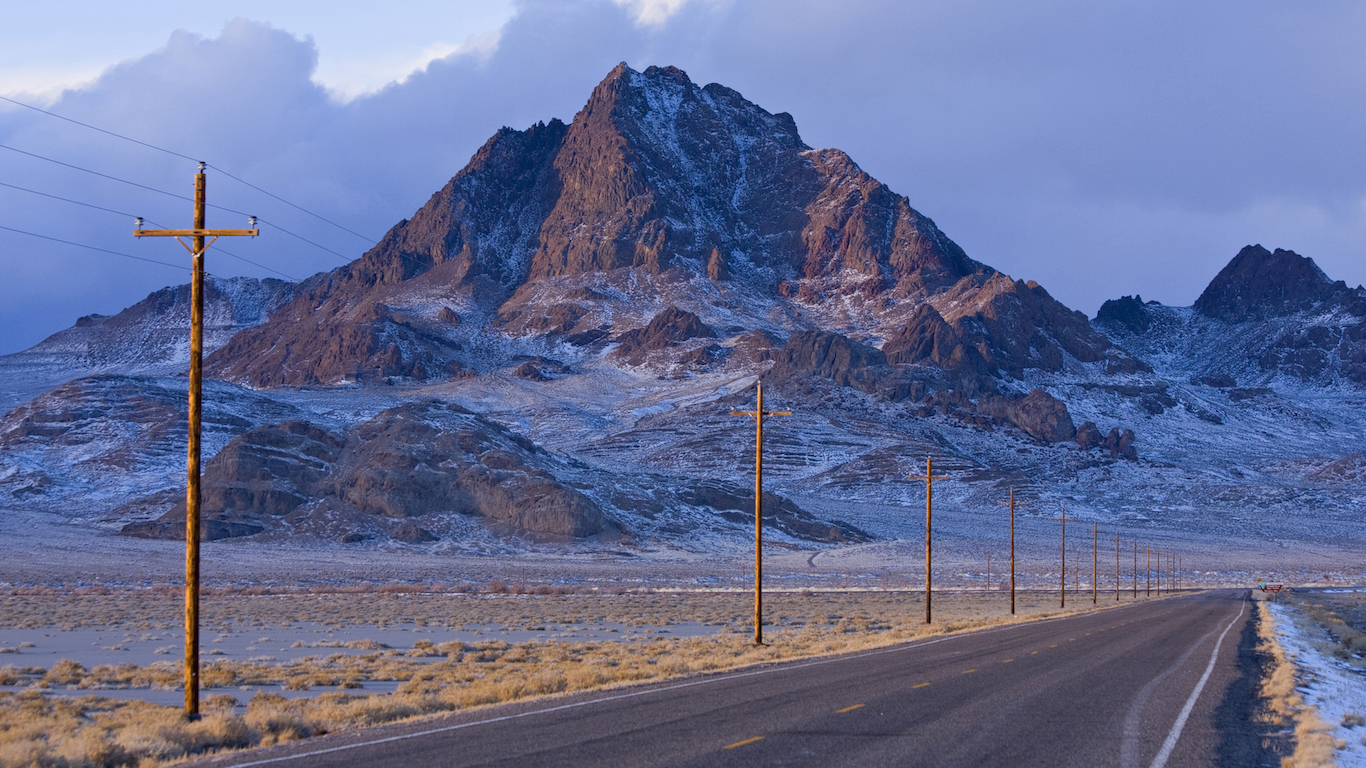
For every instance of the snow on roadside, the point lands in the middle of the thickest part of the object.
(1326, 684)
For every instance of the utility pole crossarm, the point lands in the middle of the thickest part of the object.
(196, 232)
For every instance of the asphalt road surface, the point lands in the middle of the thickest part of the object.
(1169, 682)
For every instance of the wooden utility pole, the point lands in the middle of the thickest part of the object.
(197, 235)
(929, 477)
(1116, 567)
(1149, 550)
(1095, 561)
(988, 572)
(1135, 569)
(1013, 504)
(1062, 586)
(759, 415)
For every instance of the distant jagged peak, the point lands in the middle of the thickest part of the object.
(1258, 284)
(1126, 312)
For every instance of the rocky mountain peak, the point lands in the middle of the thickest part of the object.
(655, 180)
(1259, 283)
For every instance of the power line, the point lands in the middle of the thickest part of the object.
(149, 221)
(170, 194)
(91, 247)
(187, 157)
(94, 128)
(292, 205)
(69, 200)
(96, 173)
(219, 249)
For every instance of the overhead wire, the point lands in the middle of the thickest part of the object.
(91, 247)
(171, 194)
(149, 221)
(292, 205)
(96, 128)
(295, 235)
(187, 157)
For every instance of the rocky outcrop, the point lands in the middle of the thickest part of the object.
(737, 506)
(996, 326)
(1127, 313)
(1348, 469)
(1118, 444)
(927, 337)
(267, 471)
(1038, 414)
(415, 460)
(668, 328)
(1319, 352)
(541, 369)
(1088, 436)
(829, 356)
(79, 435)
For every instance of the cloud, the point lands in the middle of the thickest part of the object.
(1101, 149)
(652, 12)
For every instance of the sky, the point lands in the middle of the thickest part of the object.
(1102, 149)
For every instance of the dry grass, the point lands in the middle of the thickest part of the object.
(1314, 744)
(92, 731)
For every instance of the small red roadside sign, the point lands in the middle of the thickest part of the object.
(1271, 587)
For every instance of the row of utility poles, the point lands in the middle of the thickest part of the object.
(1169, 564)
(197, 235)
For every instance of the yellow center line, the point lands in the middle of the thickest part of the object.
(743, 743)
(922, 685)
(1071, 639)
(847, 709)
(1033, 653)
(968, 671)
(1055, 645)
(1007, 661)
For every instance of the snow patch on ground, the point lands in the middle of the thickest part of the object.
(1329, 685)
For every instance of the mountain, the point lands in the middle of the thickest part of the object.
(660, 193)
(150, 338)
(546, 356)
(1267, 316)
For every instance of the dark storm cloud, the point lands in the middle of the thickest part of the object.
(1098, 148)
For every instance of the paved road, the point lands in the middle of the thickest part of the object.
(1162, 683)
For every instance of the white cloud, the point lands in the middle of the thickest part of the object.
(347, 78)
(43, 86)
(652, 12)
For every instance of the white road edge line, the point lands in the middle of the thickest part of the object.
(1180, 724)
(633, 694)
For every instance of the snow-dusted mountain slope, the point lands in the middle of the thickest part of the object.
(548, 353)
(150, 338)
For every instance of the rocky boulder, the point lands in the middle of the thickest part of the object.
(1038, 414)
(1089, 436)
